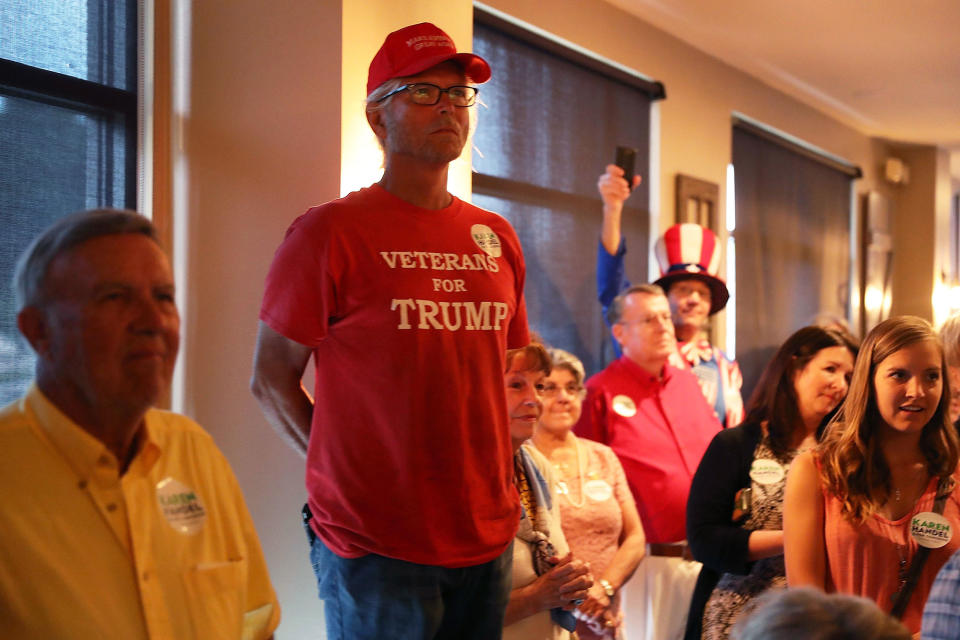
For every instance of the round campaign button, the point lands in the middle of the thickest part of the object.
(181, 506)
(487, 240)
(931, 529)
(598, 490)
(766, 471)
(624, 406)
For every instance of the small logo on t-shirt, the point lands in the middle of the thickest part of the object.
(487, 240)
(624, 406)
(181, 506)
(931, 529)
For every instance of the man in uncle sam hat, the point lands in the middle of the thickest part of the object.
(407, 298)
(689, 260)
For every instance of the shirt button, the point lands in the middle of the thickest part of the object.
(104, 460)
(145, 575)
(82, 484)
(111, 507)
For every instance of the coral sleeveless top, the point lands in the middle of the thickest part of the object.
(869, 559)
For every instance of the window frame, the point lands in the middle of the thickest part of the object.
(57, 89)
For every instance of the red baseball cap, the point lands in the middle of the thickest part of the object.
(416, 48)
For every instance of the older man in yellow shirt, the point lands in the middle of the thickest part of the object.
(117, 520)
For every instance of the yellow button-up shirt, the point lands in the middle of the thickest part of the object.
(166, 551)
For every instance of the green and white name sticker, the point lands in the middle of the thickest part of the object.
(624, 406)
(931, 529)
(765, 471)
(487, 240)
(598, 490)
(181, 506)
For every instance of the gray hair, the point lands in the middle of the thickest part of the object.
(375, 101)
(566, 360)
(615, 312)
(63, 235)
(805, 612)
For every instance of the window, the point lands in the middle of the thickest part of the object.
(550, 122)
(793, 261)
(68, 123)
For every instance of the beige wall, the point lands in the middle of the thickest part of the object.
(914, 233)
(270, 126)
(261, 143)
(259, 139)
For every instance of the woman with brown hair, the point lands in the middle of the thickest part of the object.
(734, 512)
(872, 510)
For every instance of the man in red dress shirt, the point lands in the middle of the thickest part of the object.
(655, 418)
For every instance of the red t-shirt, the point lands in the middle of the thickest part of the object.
(659, 428)
(409, 312)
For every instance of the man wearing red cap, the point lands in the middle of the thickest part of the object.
(407, 298)
(689, 260)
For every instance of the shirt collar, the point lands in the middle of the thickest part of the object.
(643, 376)
(81, 450)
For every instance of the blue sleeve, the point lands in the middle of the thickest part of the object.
(611, 279)
(941, 614)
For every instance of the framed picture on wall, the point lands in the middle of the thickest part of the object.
(697, 201)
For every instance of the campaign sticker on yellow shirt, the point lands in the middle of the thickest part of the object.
(766, 471)
(931, 530)
(181, 506)
(598, 490)
(624, 406)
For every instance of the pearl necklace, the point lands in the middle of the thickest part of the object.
(562, 487)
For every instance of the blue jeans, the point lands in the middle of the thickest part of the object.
(378, 598)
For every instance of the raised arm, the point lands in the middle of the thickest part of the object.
(614, 190)
(611, 277)
(803, 538)
(278, 364)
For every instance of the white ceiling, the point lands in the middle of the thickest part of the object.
(889, 68)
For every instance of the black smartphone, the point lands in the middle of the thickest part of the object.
(626, 159)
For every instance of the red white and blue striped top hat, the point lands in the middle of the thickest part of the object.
(691, 252)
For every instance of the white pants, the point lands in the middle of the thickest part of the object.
(657, 598)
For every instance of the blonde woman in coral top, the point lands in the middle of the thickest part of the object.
(860, 506)
(598, 514)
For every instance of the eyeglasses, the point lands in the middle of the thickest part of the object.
(551, 389)
(429, 94)
(663, 317)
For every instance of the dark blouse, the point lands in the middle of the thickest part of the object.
(715, 540)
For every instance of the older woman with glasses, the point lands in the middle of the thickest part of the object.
(548, 581)
(598, 514)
